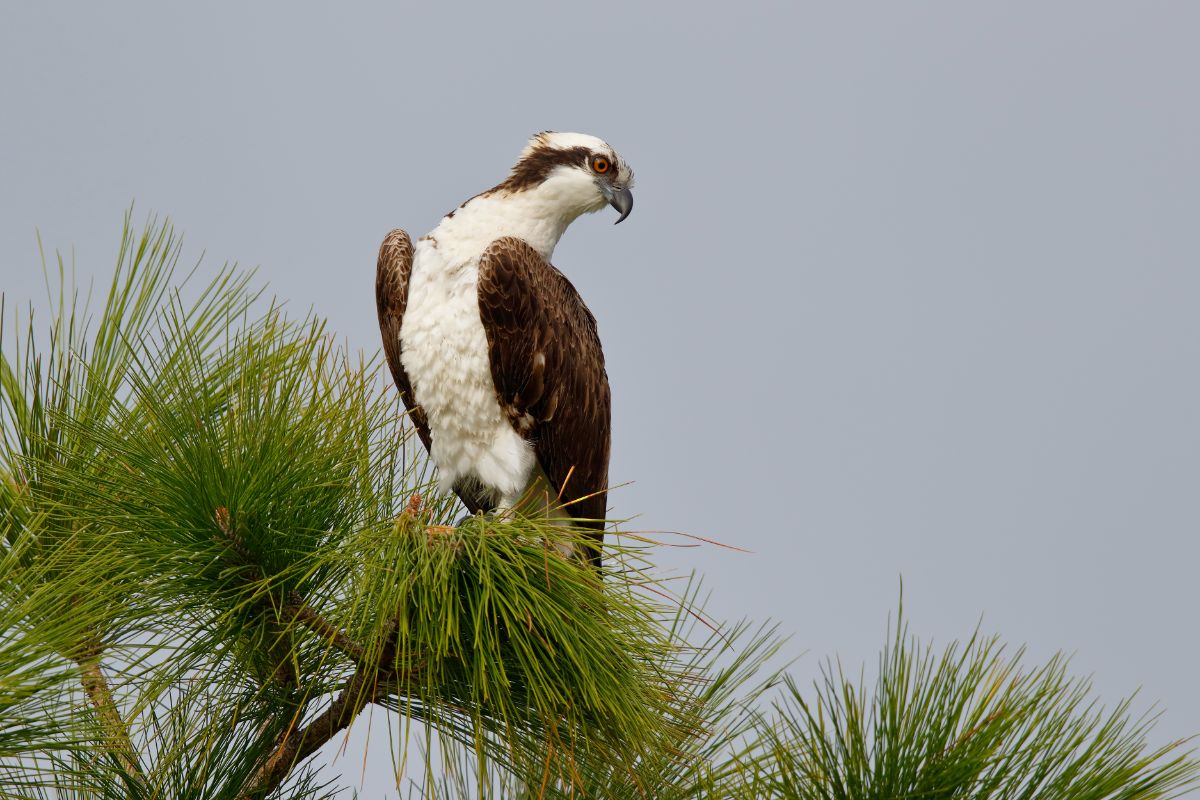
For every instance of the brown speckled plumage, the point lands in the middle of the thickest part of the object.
(548, 369)
(391, 298)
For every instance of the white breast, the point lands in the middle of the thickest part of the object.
(445, 353)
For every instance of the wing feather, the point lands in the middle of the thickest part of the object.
(391, 298)
(548, 370)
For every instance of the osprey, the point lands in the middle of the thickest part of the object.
(494, 352)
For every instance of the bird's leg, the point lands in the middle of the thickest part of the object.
(477, 515)
(537, 501)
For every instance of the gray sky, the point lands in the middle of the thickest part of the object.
(909, 289)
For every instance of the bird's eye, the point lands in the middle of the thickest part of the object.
(601, 165)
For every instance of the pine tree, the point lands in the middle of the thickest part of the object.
(219, 546)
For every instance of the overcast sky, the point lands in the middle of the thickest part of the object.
(910, 289)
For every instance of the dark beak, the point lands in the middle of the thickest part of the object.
(619, 198)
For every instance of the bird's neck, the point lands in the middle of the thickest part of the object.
(539, 216)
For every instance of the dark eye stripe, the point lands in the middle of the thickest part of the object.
(533, 169)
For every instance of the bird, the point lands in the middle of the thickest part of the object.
(495, 354)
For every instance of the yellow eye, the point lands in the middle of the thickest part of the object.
(601, 165)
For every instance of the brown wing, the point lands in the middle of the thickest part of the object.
(391, 298)
(548, 369)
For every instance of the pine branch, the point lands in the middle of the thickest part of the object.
(363, 687)
(294, 609)
(293, 749)
(97, 688)
(368, 683)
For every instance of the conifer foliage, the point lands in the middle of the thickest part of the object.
(219, 547)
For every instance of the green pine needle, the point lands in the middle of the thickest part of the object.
(219, 546)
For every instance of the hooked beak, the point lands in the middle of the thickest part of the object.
(619, 198)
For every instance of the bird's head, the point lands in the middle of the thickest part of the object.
(574, 172)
